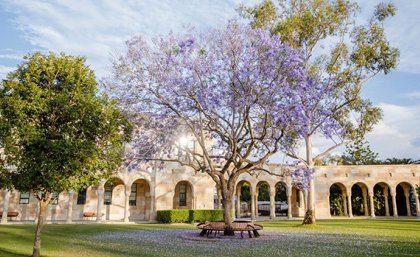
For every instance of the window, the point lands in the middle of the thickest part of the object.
(108, 194)
(183, 195)
(24, 198)
(81, 197)
(54, 196)
(133, 195)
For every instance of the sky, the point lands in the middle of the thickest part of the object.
(98, 30)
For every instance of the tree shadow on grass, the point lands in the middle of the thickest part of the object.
(7, 253)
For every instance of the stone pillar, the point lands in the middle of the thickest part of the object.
(100, 192)
(152, 215)
(365, 205)
(372, 206)
(407, 201)
(238, 202)
(127, 202)
(349, 204)
(253, 217)
(289, 200)
(6, 199)
(343, 198)
(272, 202)
(70, 207)
(386, 203)
(417, 205)
(256, 205)
(394, 204)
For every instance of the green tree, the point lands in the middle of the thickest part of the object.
(359, 153)
(340, 52)
(57, 131)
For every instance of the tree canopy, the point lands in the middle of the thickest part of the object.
(336, 50)
(221, 102)
(58, 133)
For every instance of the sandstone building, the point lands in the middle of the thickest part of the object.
(137, 195)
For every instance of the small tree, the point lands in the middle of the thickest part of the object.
(235, 92)
(352, 55)
(58, 133)
(359, 153)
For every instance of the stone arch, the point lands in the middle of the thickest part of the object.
(382, 199)
(298, 202)
(243, 199)
(281, 199)
(140, 200)
(338, 200)
(405, 199)
(359, 199)
(114, 198)
(263, 198)
(183, 195)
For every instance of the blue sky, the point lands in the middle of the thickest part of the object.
(98, 29)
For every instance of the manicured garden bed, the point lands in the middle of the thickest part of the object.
(328, 238)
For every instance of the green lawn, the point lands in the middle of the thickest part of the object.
(281, 238)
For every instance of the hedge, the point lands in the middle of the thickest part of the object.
(178, 215)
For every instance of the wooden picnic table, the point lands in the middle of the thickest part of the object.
(210, 227)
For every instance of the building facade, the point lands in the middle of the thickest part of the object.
(387, 190)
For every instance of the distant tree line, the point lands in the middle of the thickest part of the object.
(360, 153)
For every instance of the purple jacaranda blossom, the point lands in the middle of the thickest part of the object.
(237, 92)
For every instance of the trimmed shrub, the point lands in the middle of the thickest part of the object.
(177, 215)
(173, 216)
(205, 215)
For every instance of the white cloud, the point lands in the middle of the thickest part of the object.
(412, 95)
(4, 70)
(96, 29)
(396, 135)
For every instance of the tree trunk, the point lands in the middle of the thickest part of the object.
(41, 216)
(227, 215)
(310, 208)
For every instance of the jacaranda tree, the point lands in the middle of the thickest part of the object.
(236, 92)
(339, 51)
(57, 132)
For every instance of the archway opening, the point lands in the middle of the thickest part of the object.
(183, 196)
(140, 200)
(406, 200)
(114, 195)
(359, 199)
(281, 199)
(382, 203)
(338, 200)
(243, 199)
(263, 192)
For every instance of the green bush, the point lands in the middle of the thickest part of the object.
(204, 215)
(173, 216)
(177, 215)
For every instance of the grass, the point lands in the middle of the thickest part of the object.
(280, 238)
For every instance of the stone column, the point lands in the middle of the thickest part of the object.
(386, 203)
(100, 192)
(127, 202)
(349, 204)
(365, 205)
(253, 217)
(256, 205)
(289, 200)
(6, 199)
(407, 201)
(272, 202)
(372, 206)
(238, 202)
(343, 198)
(417, 205)
(70, 207)
(394, 204)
